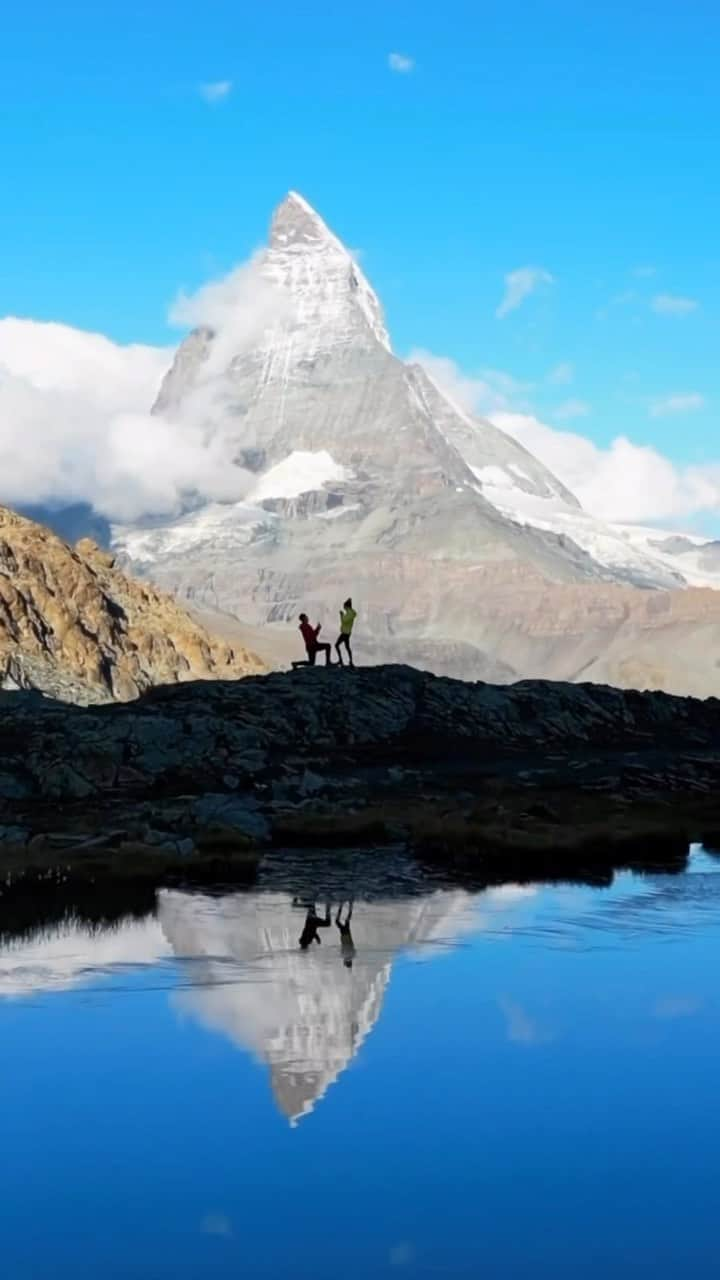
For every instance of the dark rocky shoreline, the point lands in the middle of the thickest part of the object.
(195, 780)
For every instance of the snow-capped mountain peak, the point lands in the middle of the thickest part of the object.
(467, 553)
(295, 222)
(311, 265)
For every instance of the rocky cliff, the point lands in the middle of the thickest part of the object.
(330, 756)
(74, 627)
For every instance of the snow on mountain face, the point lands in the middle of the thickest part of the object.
(627, 557)
(301, 472)
(323, 304)
(334, 300)
(646, 557)
(322, 379)
(696, 558)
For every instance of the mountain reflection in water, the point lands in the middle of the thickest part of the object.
(302, 1012)
(513, 1068)
(242, 973)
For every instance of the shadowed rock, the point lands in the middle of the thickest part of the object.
(331, 757)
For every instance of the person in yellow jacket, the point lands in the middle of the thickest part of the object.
(347, 621)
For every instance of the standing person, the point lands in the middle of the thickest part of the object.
(347, 621)
(347, 946)
(313, 646)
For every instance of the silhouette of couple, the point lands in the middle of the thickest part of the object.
(314, 646)
(314, 922)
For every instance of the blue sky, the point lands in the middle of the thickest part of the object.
(580, 142)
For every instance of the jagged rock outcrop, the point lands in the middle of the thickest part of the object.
(231, 765)
(75, 628)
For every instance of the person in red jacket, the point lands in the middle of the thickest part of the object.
(313, 646)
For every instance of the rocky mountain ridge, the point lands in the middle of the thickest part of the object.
(73, 627)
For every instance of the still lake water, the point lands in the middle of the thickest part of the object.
(516, 1083)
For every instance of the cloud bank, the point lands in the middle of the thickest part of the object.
(75, 420)
(485, 393)
(625, 482)
(76, 427)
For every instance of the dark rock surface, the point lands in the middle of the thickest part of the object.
(335, 757)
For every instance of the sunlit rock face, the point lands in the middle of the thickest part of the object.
(76, 628)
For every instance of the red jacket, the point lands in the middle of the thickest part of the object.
(309, 635)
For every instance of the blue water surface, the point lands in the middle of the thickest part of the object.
(515, 1083)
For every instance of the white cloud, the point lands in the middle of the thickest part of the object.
(64, 395)
(237, 308)
(690, 402)
(75, 421)
(627, 482)
(401, 62)
(215, 90)
(671, 304)
(519, 285)
(562, 374)
(56, 357)
(471, 393)
(570, 409)
(484, 393)
(72, 954)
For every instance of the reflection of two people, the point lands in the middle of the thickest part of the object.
(314, 922)
(347, 946)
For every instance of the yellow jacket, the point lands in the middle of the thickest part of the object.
(347, 618)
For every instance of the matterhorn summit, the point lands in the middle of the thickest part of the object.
(357, 474)
(306, 259)
(321, 377)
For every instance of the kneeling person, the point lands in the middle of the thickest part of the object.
(313, 646)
